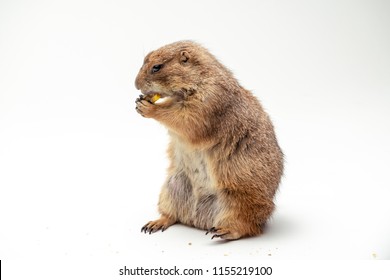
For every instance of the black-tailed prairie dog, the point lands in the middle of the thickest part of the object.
(225, 162)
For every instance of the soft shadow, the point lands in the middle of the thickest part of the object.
(279, 227)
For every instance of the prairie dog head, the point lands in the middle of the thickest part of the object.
(175, 70)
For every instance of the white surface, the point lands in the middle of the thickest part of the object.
(80, 170)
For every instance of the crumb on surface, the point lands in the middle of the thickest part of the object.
(189, 243)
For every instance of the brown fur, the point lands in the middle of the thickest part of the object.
(225, 162)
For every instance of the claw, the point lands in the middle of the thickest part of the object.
(140, 98)
(213, 229)
(218, 235)
(145, 228)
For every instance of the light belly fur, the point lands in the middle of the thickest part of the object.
(197, 186)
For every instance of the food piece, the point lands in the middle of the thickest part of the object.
(155, 97)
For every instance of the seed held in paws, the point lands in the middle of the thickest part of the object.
(155, 97)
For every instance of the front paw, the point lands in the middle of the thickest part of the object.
(144, 107)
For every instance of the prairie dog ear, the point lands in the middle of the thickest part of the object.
(184, 57)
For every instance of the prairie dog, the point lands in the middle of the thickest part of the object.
(225, 162)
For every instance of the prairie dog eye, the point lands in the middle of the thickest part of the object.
(156, 68)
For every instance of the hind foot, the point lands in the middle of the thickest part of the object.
(224, 233)
(161, 224)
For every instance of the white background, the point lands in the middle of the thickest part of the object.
(80, 170)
